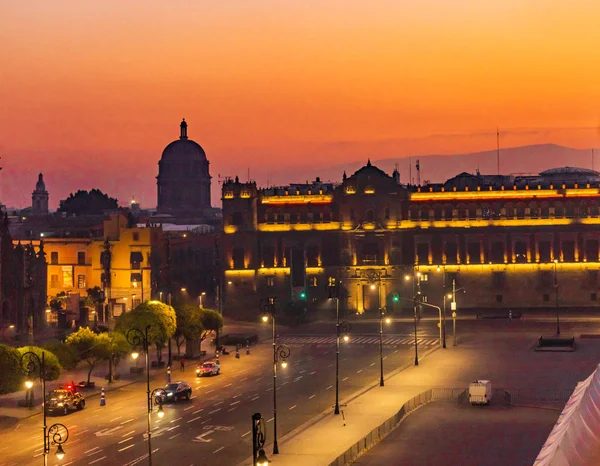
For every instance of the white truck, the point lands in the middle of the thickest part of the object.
(480, 392)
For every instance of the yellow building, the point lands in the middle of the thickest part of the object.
(75, 264)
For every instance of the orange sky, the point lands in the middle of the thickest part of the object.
(91, 92)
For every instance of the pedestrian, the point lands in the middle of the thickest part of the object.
(182, 364)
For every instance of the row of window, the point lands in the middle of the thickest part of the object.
(497, 212)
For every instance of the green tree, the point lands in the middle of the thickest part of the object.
(212, 322)
(159, 316)
(51, 364)
(59, 301)
(84, 202)
(117, 348)
(88, 347)
(12, 373)
(189, 324)
(66, 354)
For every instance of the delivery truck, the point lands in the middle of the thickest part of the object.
(480, 392)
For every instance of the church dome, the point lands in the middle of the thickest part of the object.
(40, 185)
(570, 171)
(183, 148)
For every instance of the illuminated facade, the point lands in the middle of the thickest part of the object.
(77, 264)
(529, 241)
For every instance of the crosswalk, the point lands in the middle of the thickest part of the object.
(393, 340)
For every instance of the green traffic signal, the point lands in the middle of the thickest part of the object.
(303, 294)
(396, 298)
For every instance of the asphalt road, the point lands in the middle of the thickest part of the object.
(214, 426)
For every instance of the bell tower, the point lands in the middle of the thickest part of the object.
(39, 198)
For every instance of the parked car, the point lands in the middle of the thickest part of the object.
(64, 399)
(208, 368)
(176, 391)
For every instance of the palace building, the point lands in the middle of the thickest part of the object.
(511, 241)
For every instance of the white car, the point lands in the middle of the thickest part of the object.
(208, 368)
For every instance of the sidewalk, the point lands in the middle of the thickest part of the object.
(9, 403)
(507, 362)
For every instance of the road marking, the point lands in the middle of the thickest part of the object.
(128, 433)
(127, 447)
(270, 420)
(311, 397)
(385, 357)
(204, 422)
(218, 450)
(345, 378)
(331, 386)
(372, 365)
(79, 433)
(174, 436)
(298, 378)
(283, 384)
(232, 409)
(228, 385)
(175, 420)
(210, 391)
(116, 419)
(245, 378)
(219, 403)
(189, 407)
(237, 396)
(128, 420)
(95, 448)
(269, 389)
(292, 407)
(395, 351)
(255, 398)
(234, 403)
(195, 419)
(216, 410)
(197, 411)
(173, 428)
(99, 459)
(313, 373)
(126, 440)
(302, 371)
(200, 438)
(247, 433)
(359, 371)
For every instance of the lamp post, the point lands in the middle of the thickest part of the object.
(279, 352)
(137, 339)
(387, 321)
(259, 458)
(416, 284)
(342, 330)
(57, 434)
(200, 297)
(556, 297)
(443, 322)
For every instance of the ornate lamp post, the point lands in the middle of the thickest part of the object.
(57, 434)
(137, 339)
(259, 458)
(280, 352)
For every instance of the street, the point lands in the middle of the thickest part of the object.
(214, 426)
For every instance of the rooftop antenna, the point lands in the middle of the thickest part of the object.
(498, 148)
(418, 173)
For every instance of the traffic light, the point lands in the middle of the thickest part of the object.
(396, 298)
(303, 294)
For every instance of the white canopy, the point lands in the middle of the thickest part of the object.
(575, 438)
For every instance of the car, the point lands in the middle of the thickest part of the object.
(61, 400)
(176, 391)
(208, 368)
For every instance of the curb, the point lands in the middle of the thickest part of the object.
(328, 412)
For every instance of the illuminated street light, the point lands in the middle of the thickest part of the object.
(29, 384)
(346, 338)
(183, 290)
(284, 364)
(135, 355)
(406, 277)
(60, 453)
(388, 320)
(373, 287)
(265, 319)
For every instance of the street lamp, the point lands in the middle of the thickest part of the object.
(387, 320)
(342, 328)
(279, 352)
(556, 297)
(57, 434)
(443, 320)
(137, 339)
(259, 458)
(416, 293)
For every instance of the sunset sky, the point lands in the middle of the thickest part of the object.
(92, 91)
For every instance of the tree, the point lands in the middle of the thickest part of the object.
(52, 366)
(58, 302)
(83, 202)
(88, 347)
(189, 324)
(66, 354)
(117, 348)
(212, 322)
(159, 316)
(12, 373)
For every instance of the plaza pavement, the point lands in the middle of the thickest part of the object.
(507, 359)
